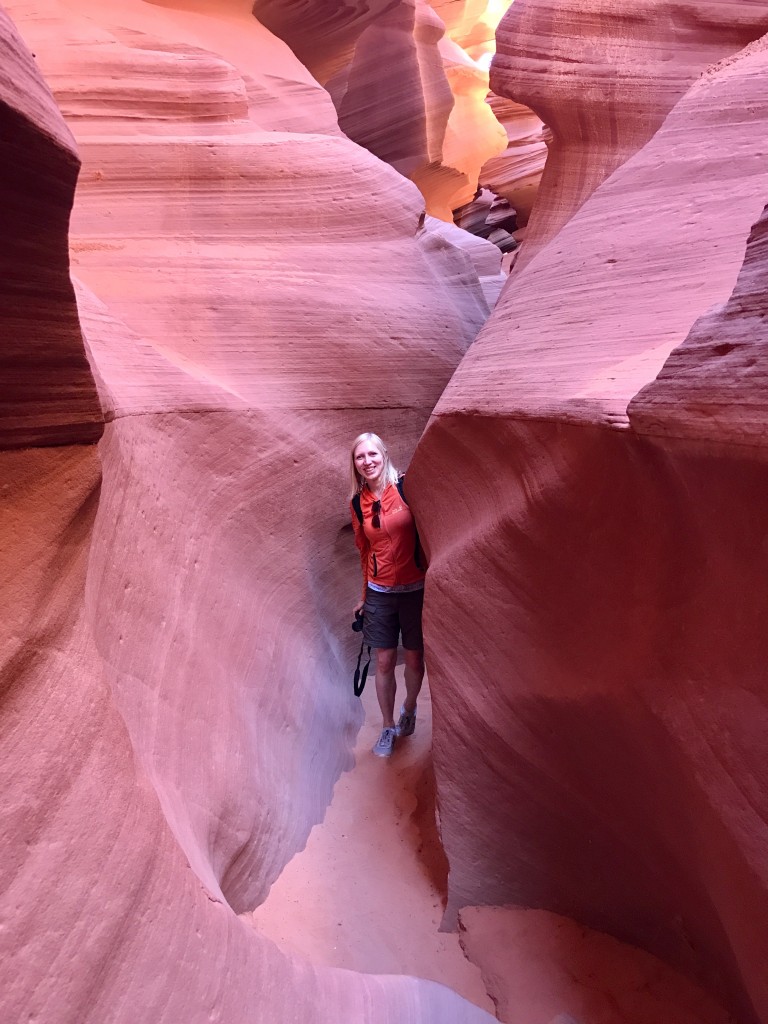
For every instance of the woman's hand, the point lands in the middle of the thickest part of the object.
(358, 607)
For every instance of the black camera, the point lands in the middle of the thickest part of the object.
(357, 625)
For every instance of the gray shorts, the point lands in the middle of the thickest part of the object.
(386, 615)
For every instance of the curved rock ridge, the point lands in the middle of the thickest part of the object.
(546, 969)
(484, 256)
(603, 79)
(516, 173)
(176, 637)
(129, 931)
(48, 392)
(190, 62)
(599, 695)
(713, 387)
(430, 120)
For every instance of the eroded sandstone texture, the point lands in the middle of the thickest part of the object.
(175, 704)
(603, 78)
(48, 392)
(428, 118)
(598, 575)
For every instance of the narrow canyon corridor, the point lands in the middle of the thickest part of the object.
(367, 893)
(237, 234)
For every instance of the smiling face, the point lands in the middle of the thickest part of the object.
(369, 462)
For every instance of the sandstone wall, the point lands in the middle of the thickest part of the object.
(603, 78)
(428, 118)
(252, 295)
(597, 575)
(49, 396)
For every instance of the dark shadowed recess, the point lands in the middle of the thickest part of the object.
(48, 395)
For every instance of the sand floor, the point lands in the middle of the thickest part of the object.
(367, 891)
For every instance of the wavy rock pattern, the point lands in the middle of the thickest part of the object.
(430, 120)
(545, 969)
(714, 387)
(48, 391)
(599, 695)
(516, 173)
(603, 78)
(174, 614)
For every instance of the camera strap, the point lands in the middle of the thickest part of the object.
(359, 681)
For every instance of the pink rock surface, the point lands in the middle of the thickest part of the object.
(48, 392)
(714, 387)
(603, 80)
(544, 969)
(430, 120)
(599, 693)
(172, 610)
(516, 173)
(380, 824)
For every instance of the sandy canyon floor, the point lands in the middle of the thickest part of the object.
(366, 892)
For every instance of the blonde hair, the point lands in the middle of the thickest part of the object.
(389, 474)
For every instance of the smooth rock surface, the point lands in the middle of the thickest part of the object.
(544, 969)
(516, 173)
(603, 78)
(714, 387)
(175, 629)
(429, 120)
(599, 694)
(48, 391)
(380, 825)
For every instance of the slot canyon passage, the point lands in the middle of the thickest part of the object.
(228, 247)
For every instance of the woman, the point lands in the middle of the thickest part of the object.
(393, 583)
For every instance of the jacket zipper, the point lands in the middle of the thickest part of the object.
(375, 566)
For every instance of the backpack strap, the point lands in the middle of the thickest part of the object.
(359, 508)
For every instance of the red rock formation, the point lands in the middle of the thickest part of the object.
(171, 631)
(714, 387)
(430, 120)
(603, 79)
(545, 969)
(596, 637)
(516, 173)
(48, 392)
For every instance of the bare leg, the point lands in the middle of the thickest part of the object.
(414, 676)
(386, 659)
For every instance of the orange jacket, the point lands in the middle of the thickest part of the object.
(386, 553)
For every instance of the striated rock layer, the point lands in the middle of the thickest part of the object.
(516, 173)
(603, 78)
(48, 392)
(251, 299)
(544, 969)
(594, 611)
(714, 387)
(429, 120)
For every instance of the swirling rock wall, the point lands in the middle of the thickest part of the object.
(49, 396)
(429, 120)
(175, 707)
(516, 173)
(603, 78)
(598, 562)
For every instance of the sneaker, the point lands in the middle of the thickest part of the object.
(385, 744)
(407, 722)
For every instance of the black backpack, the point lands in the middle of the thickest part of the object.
(356, 505)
